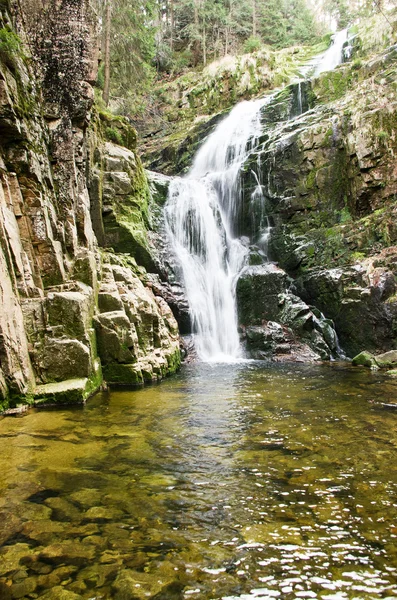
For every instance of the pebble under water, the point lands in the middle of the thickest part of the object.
(225, 481)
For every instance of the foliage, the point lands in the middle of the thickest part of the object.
(10, 47)
(252, 44)
(132, 51)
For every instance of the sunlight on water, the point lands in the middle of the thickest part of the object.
(225, 482)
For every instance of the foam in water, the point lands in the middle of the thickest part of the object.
(201, 215)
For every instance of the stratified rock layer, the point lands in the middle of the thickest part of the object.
(64, 192)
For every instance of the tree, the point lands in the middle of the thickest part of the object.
(128, 36)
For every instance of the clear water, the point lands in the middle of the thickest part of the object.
(224, 482)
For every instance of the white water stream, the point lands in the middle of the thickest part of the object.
(334, 55)
(201, 217)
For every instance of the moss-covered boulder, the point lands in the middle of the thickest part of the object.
(365, 359)
(387, 360)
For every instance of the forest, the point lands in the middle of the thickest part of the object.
(152, 40)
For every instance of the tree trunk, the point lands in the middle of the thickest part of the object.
(204, 45)
(106, 86)
(254, 18)
(172, 24)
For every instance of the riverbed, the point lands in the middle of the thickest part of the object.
(232, 481)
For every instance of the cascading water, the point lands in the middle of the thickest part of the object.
(334, 55)
(201, 216)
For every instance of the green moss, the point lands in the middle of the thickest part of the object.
(311, 179)
(174, 362)
(11, 48)
(113, 135)
(332, 85)
(357, 256)
(120, 374)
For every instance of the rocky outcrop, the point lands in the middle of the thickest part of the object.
(276, 324)
(189, 107)
(328, 184)
(64, 193)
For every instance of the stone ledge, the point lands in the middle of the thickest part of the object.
(71, 391)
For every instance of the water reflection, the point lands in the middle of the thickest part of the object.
(232, 481)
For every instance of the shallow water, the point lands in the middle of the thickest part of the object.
(226, 481)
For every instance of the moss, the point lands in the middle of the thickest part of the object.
(72, 391)
(11, 48)
(332, 85)
(120, 374)
(113, 135)
(311, 179)
(174, 362)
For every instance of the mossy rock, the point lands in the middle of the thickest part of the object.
(71, 391)
(365, 359)
(121, 374)
(387, 360)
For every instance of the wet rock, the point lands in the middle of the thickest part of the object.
(12, 557)
(102, 513)
(97, 575)
(159, 185)
(349, 298)
(5, 591)
(24, 588)
(258, 290)
(86, 497)
(280, 322)
(42, 531)
(63, 510)
(134, 585)
(71, 552)
(365, 359)
(388, 360)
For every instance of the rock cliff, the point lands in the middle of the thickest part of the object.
(73, 222)
(329, 183)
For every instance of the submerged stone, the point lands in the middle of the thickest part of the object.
(59, 593)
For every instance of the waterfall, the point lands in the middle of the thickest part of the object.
(202, 224)
(334, 55)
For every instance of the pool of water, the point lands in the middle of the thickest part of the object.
(225, 481)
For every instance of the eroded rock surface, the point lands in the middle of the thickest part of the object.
(64, 193)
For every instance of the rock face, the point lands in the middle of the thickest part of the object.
(329, 183)
(189, 107)
(276, 323)
(64, 193)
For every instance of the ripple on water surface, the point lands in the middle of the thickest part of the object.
(227, 481)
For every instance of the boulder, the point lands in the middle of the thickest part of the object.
(258, 290)
(387, 360)
(365, 359)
